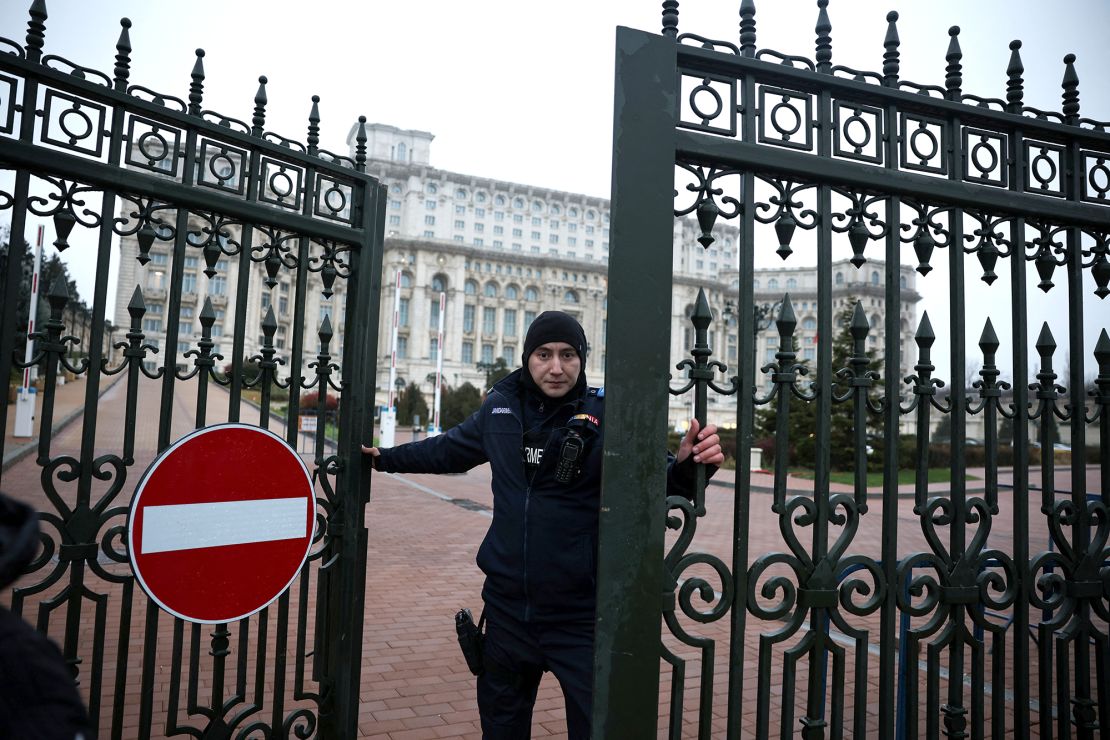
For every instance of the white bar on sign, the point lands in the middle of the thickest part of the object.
(192, 526)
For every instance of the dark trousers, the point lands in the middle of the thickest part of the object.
(517, 655)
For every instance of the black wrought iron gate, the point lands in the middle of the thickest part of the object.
(970, 608)
(255, 264)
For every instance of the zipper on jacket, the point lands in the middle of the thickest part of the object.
(527, 599)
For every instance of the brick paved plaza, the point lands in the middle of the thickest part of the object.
(423, 534)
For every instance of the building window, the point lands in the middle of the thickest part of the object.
(499, 200)
(433, 313)
(874, 277)
(773, 284)
(480, 197)
(489, 320)
(518, 202)
(553, 239)
(479, 227)
(479, 213)
(572, 241)
(535, 236)
(467, 353)
(189, 282)
(429, 220)
(491, 289)
(498, 230)
(460, 193)
(508, 353)
(431, 188)
(512, 293)
(570, 297)
(459, 224)
(517, 218)
(536, 220)
(531, 294)
(791, 284)
(430, 205)
(809, 323)
(150, 325)
(537, 206)
(517, 233)
(218, 285)
(478, 242)
(468, 318)
(429, 234)
(402, 347)
(510, 322)
(487, 354)
(460, 209)
(394, 220)
(402, 312)
(498, 215)
(497, 243)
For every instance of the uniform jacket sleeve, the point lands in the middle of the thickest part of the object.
(455, 451)
(680, 476)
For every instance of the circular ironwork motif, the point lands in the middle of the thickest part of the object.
(782, 105)
(852, 122)
(281, 184)
(1043, 159)
(984, 146)
(222, 167)
(930, 137)
(1103, 172)
(718, 104)
(334, 199)
(66, 121)
(154, 146)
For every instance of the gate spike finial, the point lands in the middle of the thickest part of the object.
(269, 325)
(988, 342)
(123, 56)
(954, 78)
(747, 28)
(860, 326)
(136, 307)
(58, 295)
(196, 87)
(824, 38)
(207, 314)
(1015, 89)
(1102, 356)
(787, 321)
(670, 18)
(1070, 83)
(891, 55)
(36, 30)
(314, 126)
(925, 335)
(325, 332)
(360, 145)
(259, 120)
(1046, 343)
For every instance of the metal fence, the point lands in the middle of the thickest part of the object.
(185, 190)
(973, 607)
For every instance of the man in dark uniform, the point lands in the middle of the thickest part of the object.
(38, 698)
(540, 429)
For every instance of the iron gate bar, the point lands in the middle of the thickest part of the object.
(626, 677)
(79, 167)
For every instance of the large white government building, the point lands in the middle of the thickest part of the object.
(502, 252)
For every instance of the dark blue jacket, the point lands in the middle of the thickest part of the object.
(540, 553)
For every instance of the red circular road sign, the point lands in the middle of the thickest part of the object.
(221, 523)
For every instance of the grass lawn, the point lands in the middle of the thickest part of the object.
(875, 478)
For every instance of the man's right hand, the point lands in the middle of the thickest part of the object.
(373, 452)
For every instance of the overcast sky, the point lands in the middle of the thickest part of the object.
(523, 91)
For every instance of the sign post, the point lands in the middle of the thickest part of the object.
(221, 523)
(25, 398)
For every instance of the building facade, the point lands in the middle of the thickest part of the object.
(501, 253)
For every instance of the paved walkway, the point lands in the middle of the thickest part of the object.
(424, 532)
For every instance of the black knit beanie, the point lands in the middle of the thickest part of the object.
(554, 326)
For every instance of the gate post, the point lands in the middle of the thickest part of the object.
(630, 550)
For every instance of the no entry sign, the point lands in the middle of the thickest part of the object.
(221, 523)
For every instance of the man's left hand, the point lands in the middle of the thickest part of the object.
(703, 444)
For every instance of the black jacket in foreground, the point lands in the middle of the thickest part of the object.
(540, 553)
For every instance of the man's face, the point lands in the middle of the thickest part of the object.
(554, 367)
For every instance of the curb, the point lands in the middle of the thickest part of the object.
(11, 458)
